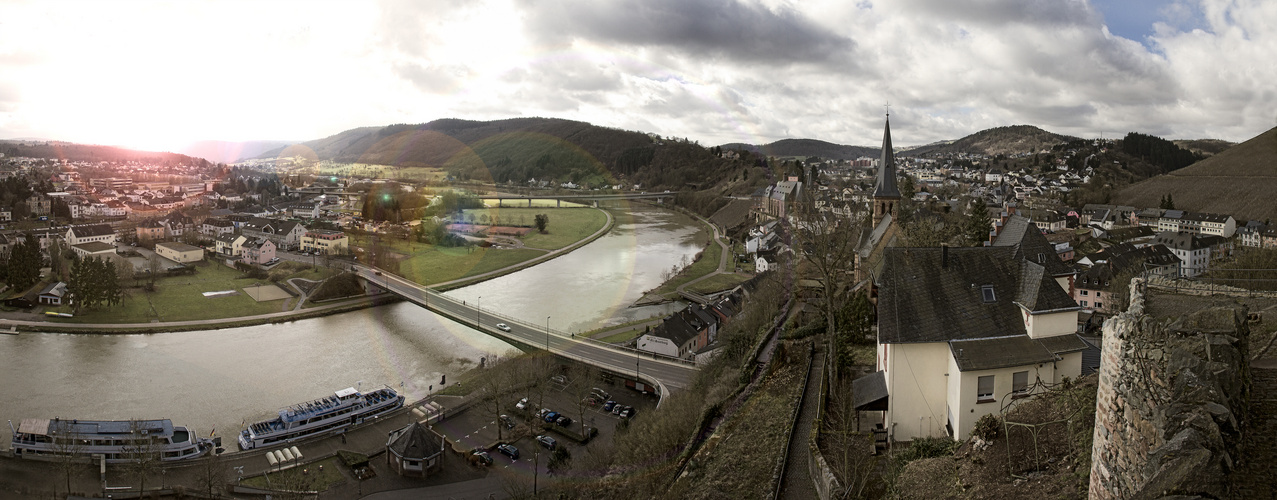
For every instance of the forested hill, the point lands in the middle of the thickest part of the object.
(91, 153)
(997, 141)
(521, 149)
(1240, 181)
(804, 148)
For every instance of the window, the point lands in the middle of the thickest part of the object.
(987, 292)
(1099, 305)
(1084, 293)
(1083, 303)
(1098, 293)
(984, 389)
(1020, 383)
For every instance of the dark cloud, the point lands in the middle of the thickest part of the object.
(707, 28)
(1001, 12)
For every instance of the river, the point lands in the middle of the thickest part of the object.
(215, 379)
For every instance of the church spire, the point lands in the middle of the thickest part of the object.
(886, 194)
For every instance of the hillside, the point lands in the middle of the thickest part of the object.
(229, 151)
(804, 148)
(1240, 181)
(996, 141)
(520, 149)
(92, 153)
(1205, 147)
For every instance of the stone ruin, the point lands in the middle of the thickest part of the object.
(1170, 403)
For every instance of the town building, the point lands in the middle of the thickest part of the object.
(180, 253)
(1192, 252)
(325, 242)
(103, 233)
(415, 451)
(258, 251)
(286, 235)
(94, 249)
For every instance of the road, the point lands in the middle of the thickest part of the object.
(672, 375)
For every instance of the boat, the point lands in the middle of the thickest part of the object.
(332, 414)
(118, 441)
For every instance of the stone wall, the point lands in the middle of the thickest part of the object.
(1168, 403)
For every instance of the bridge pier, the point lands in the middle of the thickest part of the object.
(558, 203)
(529, 202)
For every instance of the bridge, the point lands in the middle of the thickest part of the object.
(663, 373)
(660, 197)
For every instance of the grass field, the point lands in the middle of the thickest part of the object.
(718, 283)
(308, 477)
(180, 298)
(439, 264)
(381, 171)
(567, 226)
(535, 204)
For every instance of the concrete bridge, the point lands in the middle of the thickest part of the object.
(652, 372)
(593, 199)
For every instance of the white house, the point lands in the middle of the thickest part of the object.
(963, 331)
(77, 235)
(1193, 253)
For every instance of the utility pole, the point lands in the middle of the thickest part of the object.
(478, 311)
(547, 334)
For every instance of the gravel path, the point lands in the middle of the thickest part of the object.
(797, 483)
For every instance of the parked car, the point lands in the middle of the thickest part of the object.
(523, 403)
(563, 421)
(627, 412)
(551, 417)
(601, 394)
(509, 451)
(559, 379)
(609, 405)
(616, 410)
(503, 327)
(541, 414)
(483, 457)
(547, 442)
(507, 421)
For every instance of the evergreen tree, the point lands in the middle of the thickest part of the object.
(978, 223)
(25, 263)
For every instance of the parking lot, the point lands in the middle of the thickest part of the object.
(477, 426)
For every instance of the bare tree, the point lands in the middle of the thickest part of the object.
(581, 384)
(142, 452)
(68, 449)
(212, 475)
(827, 244)
(497, 385)
(846, 449)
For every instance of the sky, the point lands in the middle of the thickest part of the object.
(156, 75)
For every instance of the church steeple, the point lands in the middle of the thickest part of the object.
(886, 194)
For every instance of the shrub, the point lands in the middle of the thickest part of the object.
(927, 447)
(987, 427)
(342, 285)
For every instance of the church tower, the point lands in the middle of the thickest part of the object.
(886, 194)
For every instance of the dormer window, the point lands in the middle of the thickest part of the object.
(987, 292)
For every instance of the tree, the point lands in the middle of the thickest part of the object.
(25, 263)
(541, 220)
(1167, 203)
(978, 223)
(827, 243)
(497, 385)
(142, 453)
(67, 449)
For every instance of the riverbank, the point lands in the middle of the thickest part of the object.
(305, 312)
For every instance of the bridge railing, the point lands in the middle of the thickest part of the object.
(434, 295)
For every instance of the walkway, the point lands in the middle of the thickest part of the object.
(797, 483)
(1257, 465)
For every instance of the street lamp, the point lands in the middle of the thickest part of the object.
(478, 310)
(547, 334)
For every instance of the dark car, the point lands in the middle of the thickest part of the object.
(627, 412)
(482, 457)
(616, 410)
(507, 421)
(508, 450)
(563, 421)
(609, 405)
(551, 417)
(547, 442)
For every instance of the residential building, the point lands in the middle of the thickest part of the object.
(961, 331)
(53, 294)
(230, 245)
(258, 251)
(1175, 221)
(1095, 289)
(325, 242)
(217, 226)
(150, 230)
(93, 232)
(286, 235)
(39, 205)
(116, 183)
(1193, 252)
(683, 333)
(1250, 234)
(180, 253)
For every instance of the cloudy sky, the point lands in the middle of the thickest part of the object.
(159, 74)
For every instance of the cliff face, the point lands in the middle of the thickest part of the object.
(1169, 403)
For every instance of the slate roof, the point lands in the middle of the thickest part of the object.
(869, 389)
(1064, 344)
(96, 247)
(1180, 241)
(1024, 236)
(92, 230)
(991, 354)
(927, 297)
(416, 443)
(885, 185)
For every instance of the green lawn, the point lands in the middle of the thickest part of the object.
(623, 336)
(442, 264)
(718, 283)
(567, 226)
(180, 298)
(506, 204)
(307, 477)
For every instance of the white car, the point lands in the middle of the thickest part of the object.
(503, 327)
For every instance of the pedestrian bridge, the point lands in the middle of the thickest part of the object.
(662, 373)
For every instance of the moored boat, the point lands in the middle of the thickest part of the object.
(116, 440)
(331, 414)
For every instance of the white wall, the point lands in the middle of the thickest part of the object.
(1050, 324)
(917, 385)
(651, 343)
(966, 410)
